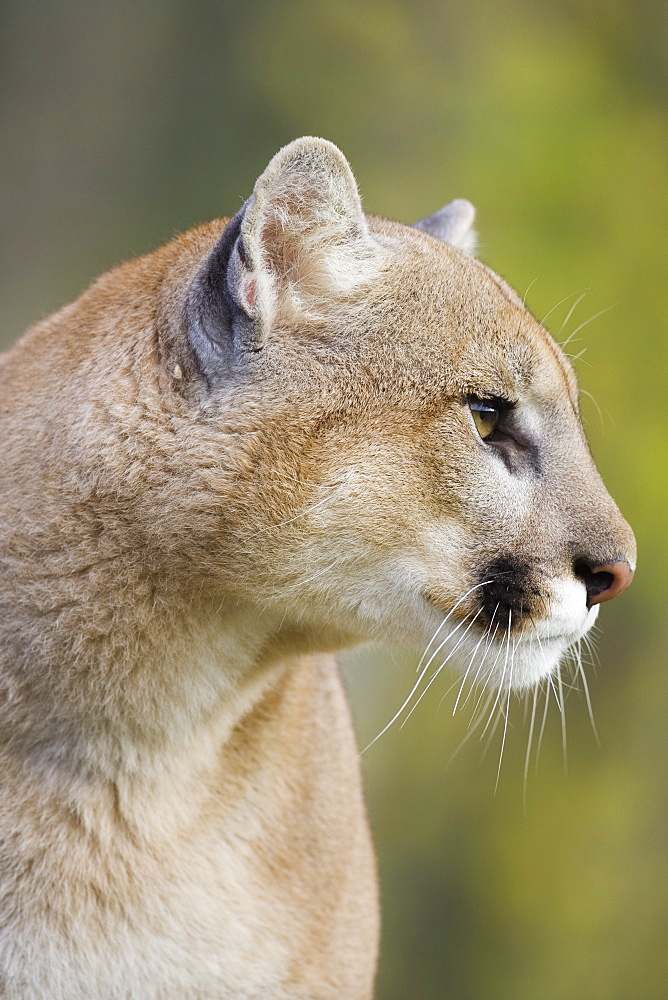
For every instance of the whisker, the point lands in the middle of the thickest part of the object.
(440, 668)
(554, 691)
(531, 284)
(486, 650)
(507, 713)
(570, 313)
(585, 687)
(505, 665)
(396, 716)
(470, 664)
(527, 759)
(315, 576)
(447, 639)
(591, 649)
(490, 673)
(591, 319)
(563, 722)
(478, 712)
(447, 618)
(303, 513)
(491, 735)
(525, 710)
(426, 649)
(542, 653)
(599, 409)
(447, 691)
(559, 303)
(425, 668)
(469, 731)
(542, 726)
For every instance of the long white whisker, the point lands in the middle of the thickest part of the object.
(531, 284)
(425, 668)
(505, 665)
(488, 679)
(591, 649)
(542, 726)
(470, 664)
(469, 732)
(527, 759)
(497, 720)
(490, 636)
(559, 303)
(477, 717)
(490, 672)
(447, 619)
(466, 672)
(525, 709)
(554, 691)
(570, 313)
(396, 716)
(587, 698)
(583, 392)
(563, 722)
(315, 576)
(447, 690)
(449, 636)
(303, 513)
(426, 649)
(577, 329)
(440, 668)
(507, 713)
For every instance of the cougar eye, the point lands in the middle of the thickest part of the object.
(486, 414)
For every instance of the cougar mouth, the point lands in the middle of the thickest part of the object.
(511, 629)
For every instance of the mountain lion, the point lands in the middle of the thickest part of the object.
(274, 437)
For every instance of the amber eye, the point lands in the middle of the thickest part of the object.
(486, 413)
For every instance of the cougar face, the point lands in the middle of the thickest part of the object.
(414, 466)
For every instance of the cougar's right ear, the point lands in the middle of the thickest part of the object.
(453, 224)
(301, 240)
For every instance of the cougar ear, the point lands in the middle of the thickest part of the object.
(299, 241)
(452, 224)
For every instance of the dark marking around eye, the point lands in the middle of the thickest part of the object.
(499, 425)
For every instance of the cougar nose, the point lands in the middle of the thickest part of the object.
(605, 581)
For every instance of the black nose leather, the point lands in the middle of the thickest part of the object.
(605, 581)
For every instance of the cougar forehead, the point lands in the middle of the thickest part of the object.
(434, 321)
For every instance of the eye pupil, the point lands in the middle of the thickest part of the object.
(485, 413)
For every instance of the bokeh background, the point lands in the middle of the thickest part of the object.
(123, 123)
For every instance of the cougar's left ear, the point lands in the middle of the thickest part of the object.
(452, 224)
(299, 241)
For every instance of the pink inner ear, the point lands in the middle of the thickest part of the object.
(250, 292)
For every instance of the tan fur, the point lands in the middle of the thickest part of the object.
(184, 538)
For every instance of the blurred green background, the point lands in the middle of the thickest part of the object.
(123, 123)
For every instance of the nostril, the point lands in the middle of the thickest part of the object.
(605, 581)
(596, 584)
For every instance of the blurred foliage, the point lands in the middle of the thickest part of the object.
(122, 123)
